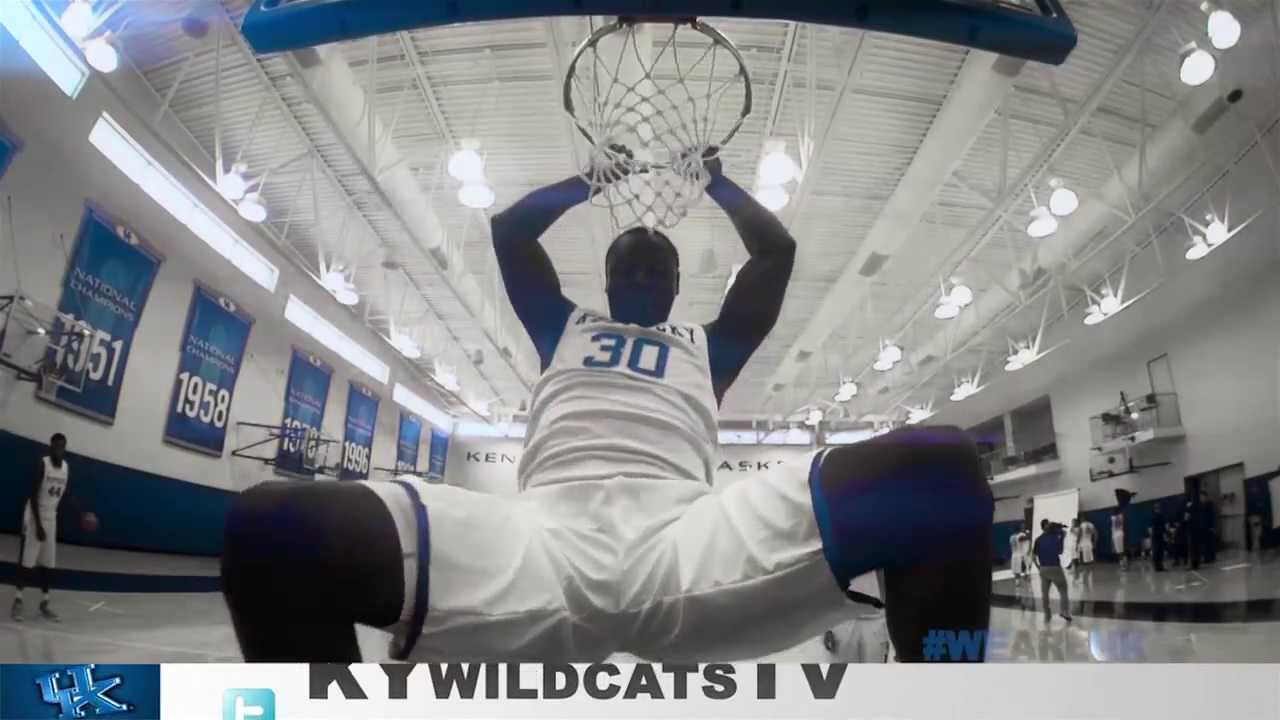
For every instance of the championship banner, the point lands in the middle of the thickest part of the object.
(306, 393)
(438, 453)
(407, 441)
(706, 691)
(213, 345)
(9, 147)
(107, 282)
(357, 439)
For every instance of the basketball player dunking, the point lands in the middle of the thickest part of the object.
(616, 542)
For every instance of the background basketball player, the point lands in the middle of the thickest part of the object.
(616, 542)
(37, 549)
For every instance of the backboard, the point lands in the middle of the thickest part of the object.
(1036, 30)
(44, 346)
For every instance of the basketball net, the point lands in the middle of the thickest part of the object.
(648, 97)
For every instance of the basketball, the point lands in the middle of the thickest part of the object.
(89, 522)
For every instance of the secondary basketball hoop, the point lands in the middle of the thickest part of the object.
(650, 117)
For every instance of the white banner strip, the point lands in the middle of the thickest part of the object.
(917, 692)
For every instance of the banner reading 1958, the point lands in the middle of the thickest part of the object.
(305, 396)
(407, 441)
(357, 440)
(108, 280)
(209, 360)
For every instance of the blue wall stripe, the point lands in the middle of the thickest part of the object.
(64, 579)
(137, 510)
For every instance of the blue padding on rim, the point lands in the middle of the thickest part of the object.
(1046, 35)
(419, 616)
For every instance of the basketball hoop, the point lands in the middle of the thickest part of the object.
(650, 117)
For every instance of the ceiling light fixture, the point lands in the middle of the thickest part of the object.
(814, 417)
(78, 19)
(776, 167)
(1196, 65)
(101, 55)
(847, 391)
(773, 197)
(233, 184)
(1064, 200)
(466, 165)
(251, 207)
(1199, 248)
(1042, 224)
(1216, 232)
(476, 196)
(1223, 27)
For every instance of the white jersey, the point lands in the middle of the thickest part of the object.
(621, 399)
(52, 487)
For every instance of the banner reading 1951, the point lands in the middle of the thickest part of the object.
(305, 396)
(213, 345)
(357, 440)
(407, 441)
(108, 280)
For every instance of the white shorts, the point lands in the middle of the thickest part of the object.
(1117, 543)
(664, 570)
(1018, 564)
(1086, 553)
(34, 552)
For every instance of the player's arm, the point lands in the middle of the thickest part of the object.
(527, 272)
(1035, 551)
(752, 306)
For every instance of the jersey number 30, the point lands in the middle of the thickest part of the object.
(646, 357)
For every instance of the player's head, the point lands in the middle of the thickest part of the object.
(642, 276)
(1044, 524)
(57, 446)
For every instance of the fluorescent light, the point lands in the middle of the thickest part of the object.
(946, 310)
(1110, 304)
(45, 44)
(324, 332)
(961, 295)
(409, 400)
(127, 155)
(101, 55)
(479, 429)
(882, 365)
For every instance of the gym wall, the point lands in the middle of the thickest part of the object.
(148, 494)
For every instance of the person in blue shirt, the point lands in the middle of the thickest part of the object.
(1047, 554)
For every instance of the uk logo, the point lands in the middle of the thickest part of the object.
(78, 694)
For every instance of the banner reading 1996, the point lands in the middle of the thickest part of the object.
(108, 280)
(407, 441)
(305, 396)
(213, 345)
(357, 440)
